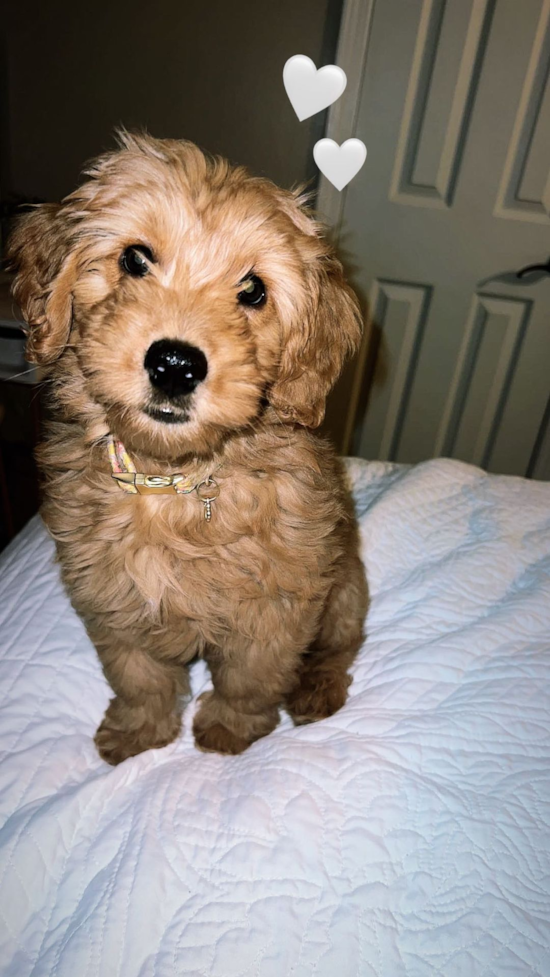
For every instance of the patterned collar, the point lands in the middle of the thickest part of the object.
(134, 483)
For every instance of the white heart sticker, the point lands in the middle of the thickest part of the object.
(340, 163)
(311, 90)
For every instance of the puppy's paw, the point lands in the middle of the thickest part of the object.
(115, 744)
(213, 733)
(318, 695)
(217, 738)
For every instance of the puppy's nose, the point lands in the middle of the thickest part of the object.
(175, 368)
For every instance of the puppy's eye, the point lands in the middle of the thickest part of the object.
(135, 260)
(252, 291)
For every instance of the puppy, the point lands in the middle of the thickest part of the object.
(191, 321)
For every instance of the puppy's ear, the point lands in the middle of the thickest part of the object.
(326, 329)
(44, 268)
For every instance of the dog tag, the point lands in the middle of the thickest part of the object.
(208, 492)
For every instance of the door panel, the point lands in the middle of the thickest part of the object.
(454, 108)
(400, 311)
(450, 40)
(525, 187)
(485, 369)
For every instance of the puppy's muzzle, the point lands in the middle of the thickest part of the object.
(175, 368)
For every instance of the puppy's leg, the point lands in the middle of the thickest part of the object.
(323, 680)
(250, 679)
(144, 713)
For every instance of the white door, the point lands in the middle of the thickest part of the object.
(452, 99)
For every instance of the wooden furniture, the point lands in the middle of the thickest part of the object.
(19, 422)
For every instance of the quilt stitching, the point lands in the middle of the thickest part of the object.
(420, 808)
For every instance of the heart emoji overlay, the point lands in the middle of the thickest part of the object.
(311, 90)
(339, 163)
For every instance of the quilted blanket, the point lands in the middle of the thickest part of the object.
(408, 835)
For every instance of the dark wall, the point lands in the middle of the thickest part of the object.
(206, 70)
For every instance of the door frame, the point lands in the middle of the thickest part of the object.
(351, 55)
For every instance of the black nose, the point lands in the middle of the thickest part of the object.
(175, 368)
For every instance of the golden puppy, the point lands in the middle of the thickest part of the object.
(192, 321)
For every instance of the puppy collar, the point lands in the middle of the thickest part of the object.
(135, 483)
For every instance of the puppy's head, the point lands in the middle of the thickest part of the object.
(179, 296)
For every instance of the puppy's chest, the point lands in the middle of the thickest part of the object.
(180, 561)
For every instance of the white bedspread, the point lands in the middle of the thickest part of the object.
(408, 835)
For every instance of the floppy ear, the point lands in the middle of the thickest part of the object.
(44, 268)
(315, 347)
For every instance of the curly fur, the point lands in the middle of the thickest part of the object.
(271, 592)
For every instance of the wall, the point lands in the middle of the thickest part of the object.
(210, 71)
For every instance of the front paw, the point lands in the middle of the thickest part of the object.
(218, 728)
(212, 735)
(217, 738)
(318, 695)
(115, 744)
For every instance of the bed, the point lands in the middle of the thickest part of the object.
(407, 835)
